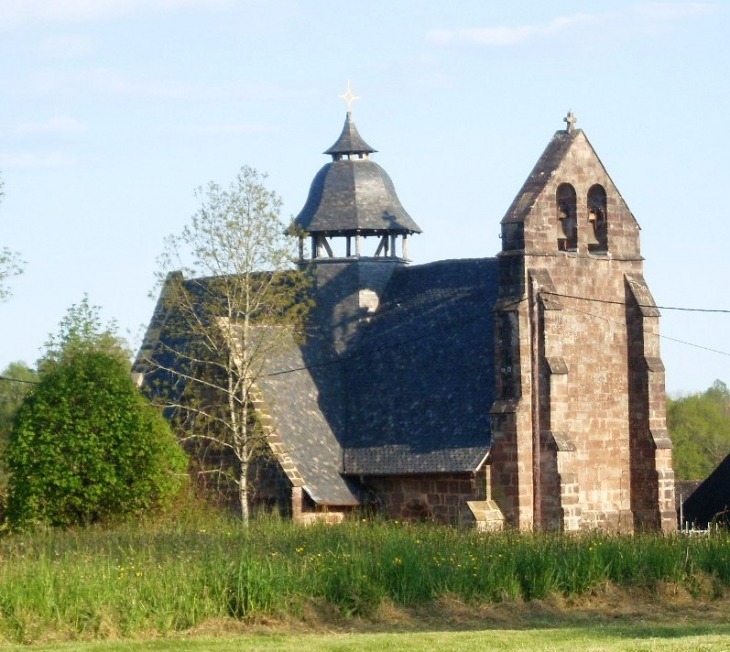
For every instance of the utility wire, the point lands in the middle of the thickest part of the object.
(18, 380)
(395, 345)
(697, 346)
(641, 305)
(555, 294)
(362, 354)
(623, 303)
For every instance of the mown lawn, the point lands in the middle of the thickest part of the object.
(621, 638)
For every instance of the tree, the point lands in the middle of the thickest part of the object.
(242, 301)
(16, 380)
(86, 445)
(82, 330)
(699, 426)
(10, 264)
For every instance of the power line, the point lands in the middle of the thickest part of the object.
(358, 354)
(641, 305)
(18, 380)
(367, 352)
(697, 346)
(395, 345)
(623, 303)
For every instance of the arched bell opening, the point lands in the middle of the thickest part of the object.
(598, 220)
(567, 221)
(352, 210)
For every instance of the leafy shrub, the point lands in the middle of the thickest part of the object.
(87, 446)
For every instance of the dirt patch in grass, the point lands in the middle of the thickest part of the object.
(665, 605)
(610, 606)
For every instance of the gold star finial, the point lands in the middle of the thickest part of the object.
(349, 97)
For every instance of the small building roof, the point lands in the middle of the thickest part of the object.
(711, 499)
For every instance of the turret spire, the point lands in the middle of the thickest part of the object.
(350, 142)
(353, 198)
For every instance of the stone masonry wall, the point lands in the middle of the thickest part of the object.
(651, 450)
(574, 430)
(594, 407)
(441, 497)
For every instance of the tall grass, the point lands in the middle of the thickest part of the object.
(98, 583)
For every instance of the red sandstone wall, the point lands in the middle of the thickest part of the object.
(568, 438)
(441, 498)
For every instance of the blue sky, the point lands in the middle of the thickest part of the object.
(113, 111)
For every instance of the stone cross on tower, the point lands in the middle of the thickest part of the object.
(570, 119)
(349, 97)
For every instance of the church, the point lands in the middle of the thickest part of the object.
(523, 391)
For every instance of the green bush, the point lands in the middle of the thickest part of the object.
(87, 446)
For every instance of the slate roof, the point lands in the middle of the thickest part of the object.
(411, 397)
(421, 381)
(291, 391)
(296, 386)
(353, 195)
(350, 141)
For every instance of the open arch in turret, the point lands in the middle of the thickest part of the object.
(352, 210)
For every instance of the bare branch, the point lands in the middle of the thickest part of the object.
(236, 309)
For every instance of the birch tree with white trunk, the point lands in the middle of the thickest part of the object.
(233, 298)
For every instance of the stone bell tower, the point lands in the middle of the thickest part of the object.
(579, 430)
(358, 234)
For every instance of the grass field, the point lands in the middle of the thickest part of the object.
(164, 582)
